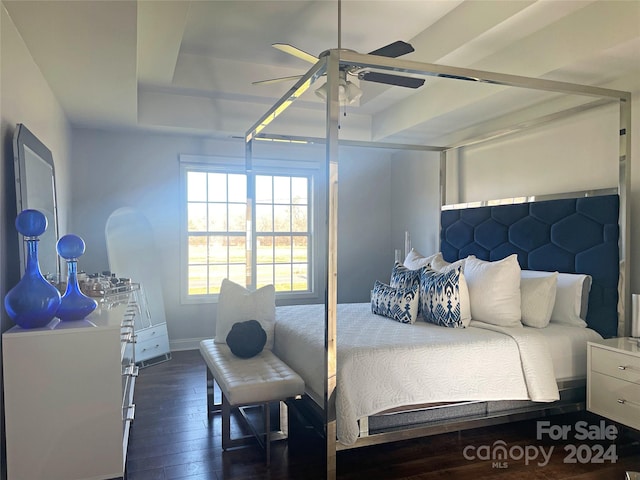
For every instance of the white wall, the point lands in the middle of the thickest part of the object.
(578, 153)
(365, 251)
(114, 169)
(415, 200)
(25, 97)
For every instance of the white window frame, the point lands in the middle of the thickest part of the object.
(235, 165)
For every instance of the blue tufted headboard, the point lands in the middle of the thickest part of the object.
(577, 235)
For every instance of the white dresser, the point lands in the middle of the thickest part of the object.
(68, 395)
(613, 380)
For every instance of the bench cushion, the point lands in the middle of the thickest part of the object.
(246, 381)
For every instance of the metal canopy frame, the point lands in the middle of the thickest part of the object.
(329, 65)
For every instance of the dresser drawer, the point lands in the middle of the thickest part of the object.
(148, 334)
(613, 398)
(153, 346)
(615, 364)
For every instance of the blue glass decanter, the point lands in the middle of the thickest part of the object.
(33, 302)
(75, 305)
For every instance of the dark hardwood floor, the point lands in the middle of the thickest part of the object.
(172, 438)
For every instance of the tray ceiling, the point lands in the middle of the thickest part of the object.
(188, 66)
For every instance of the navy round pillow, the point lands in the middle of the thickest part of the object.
(246, 339)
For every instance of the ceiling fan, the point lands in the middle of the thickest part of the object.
(348, 91)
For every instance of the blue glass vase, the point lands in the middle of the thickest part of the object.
(33, 302)
(75, 305)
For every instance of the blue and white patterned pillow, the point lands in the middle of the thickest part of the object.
(403, 277)
(440, 297)
(399, 304)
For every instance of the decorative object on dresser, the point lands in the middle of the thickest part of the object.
(613, 380)
(33, 302)
(74, 305)
(68, 395)
(132, 253)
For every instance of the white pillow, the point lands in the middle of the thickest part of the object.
(415, 260)
(572, 297)
(237, 304)
(439, 264)
(538, 296)
(494, 290)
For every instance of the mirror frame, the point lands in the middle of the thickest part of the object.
(23, 139)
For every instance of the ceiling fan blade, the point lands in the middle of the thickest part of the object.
(393, 50)
(397, 80)
(276, 80)
(295, 51)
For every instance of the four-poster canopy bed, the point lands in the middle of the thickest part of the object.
(572, 223)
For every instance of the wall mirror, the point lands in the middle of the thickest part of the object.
(36, 189)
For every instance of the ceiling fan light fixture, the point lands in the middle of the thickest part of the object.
(353, 92)
(321, 91)
(348, 92)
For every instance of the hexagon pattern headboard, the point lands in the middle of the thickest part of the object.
(577, 235)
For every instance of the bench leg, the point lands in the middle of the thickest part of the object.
(212, 406)
(226, 423)
(226, 428)
(267, 431)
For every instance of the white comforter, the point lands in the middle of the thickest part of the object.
(384, 364)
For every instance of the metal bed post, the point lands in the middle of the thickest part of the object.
(443, 188)
(248, 166)
(624, 190)
(331, 303)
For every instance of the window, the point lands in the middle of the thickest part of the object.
(282, 237)
(276, 250)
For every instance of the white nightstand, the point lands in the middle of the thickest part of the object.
(613, 380)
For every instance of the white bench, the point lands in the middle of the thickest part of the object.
(251, 381)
